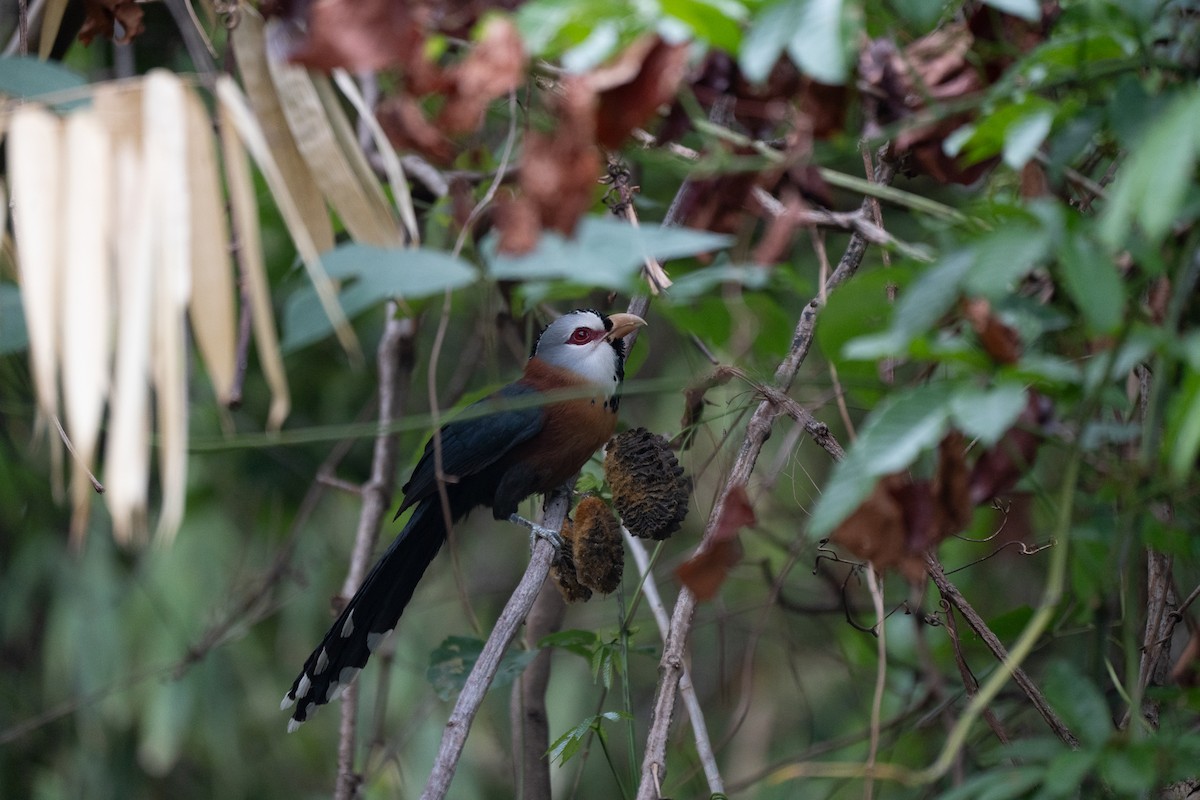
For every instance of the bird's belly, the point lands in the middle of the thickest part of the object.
(573, 431)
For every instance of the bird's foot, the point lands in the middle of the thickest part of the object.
(538, 532)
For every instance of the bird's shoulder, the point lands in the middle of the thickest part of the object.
(478, 440)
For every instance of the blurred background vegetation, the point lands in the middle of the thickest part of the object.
(1047, 168)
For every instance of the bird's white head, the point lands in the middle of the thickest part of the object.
(590, 344)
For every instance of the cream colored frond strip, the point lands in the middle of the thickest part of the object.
(86, 301)
(135, 180)
(249, 45)
(166, 152)
(244, 209)
(248, 130)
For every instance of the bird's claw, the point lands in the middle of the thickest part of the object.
(539, 532)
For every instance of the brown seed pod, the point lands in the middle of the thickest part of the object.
(596, 545)
(565, 576)
(649, 489)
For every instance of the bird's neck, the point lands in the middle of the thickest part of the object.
(544, 375)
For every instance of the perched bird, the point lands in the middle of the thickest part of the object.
(495, 460)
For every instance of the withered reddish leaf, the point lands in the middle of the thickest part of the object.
(494, 67)
(631, 92)
(362, 34)
(951, 495)
(999, 341)
(1034, 183)
(559, 169)
(693, 408)
(704, 572)
(100, 18)
(737, 513)
(517, 221)
(999, 468)
(877, 531)
(406, 127)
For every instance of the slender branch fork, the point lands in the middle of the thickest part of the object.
(671, 665)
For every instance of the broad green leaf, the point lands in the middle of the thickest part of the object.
(987, 413)
(1132, 769)
(1152, 185)
(567, 745)
(604, 252)
(1004, 257)
(818, 46)
(998, 784)
(13, 336)
(1025, 9)
(895, 434)
(1182, 442)
(918, 309)
(812, 32)
(1025, 136)
(1090, 278)
(580, 642)
(29, 78)
(1066, 771)
(1079, 702)
(370, 275)
(768, 36)
(903, 426)
(717, 22)
(691, 285)
(451, 663)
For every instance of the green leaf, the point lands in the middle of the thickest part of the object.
(1182, 440)
(1079, 702)
(1066, 772)
(1151, 186)
(895, 434)
(987, 413)
(1025, 136)
(919, 308)
(567, 745)
(812, 31)
(13, 336)
(1004, 257)
(30, 78)
(1000, 784)
(581, 643)
(451, 663)
(1091, 279)
(717, 22)
(605, 253)
(1025, 9)
(371, 275)
(1130, 770)
(691, 285)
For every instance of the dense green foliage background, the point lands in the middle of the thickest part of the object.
(157, 672)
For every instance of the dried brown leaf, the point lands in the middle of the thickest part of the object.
(704, 572)
(559, 168)
(644, 77)
(101, 16)
(362, 34)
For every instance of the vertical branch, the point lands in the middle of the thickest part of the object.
(394, 360)
(757, 431)
(530, 722)
(467, 706)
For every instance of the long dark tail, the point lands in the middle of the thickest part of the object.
(369, 616)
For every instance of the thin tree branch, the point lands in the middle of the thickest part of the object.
(454, 737)
(393, 367)
(757, 431)
(704, 748)
(951, 595)
(530, 721)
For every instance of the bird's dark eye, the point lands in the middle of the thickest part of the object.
(581, 336)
